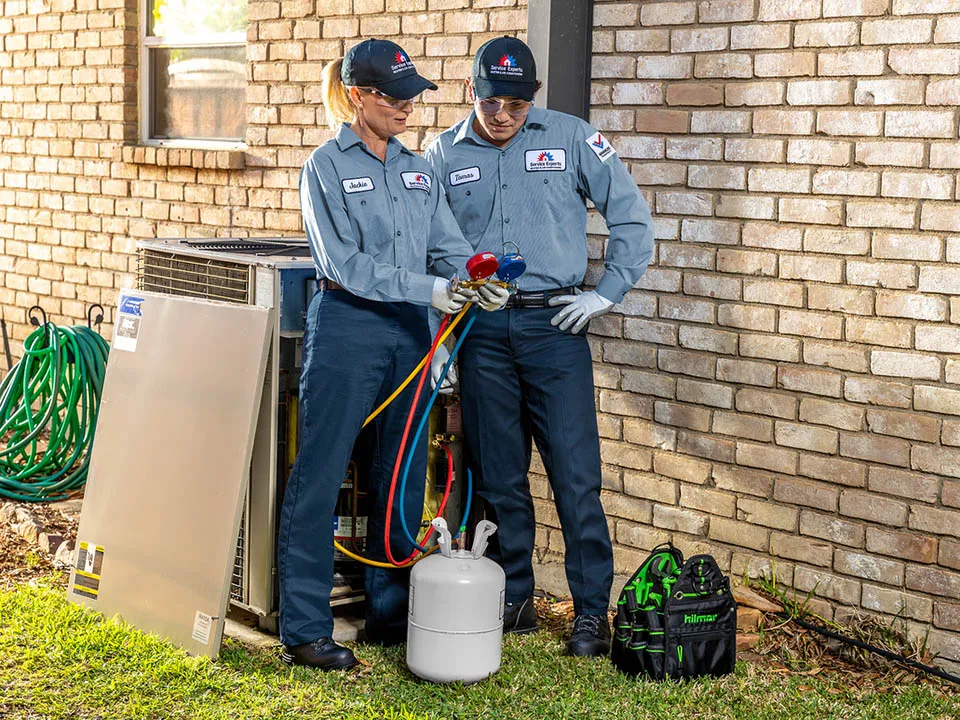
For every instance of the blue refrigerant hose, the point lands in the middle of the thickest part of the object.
(416, 438)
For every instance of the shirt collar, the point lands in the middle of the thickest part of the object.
(536, 118)
(347, 138)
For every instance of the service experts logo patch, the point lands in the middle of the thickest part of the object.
(416, 181)
(547, 160)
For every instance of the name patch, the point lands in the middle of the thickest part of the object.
(416, 181)
(465, 175)
(601, 146)
(552, 160)
(355, 185)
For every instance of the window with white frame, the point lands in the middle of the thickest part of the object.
(193, 65)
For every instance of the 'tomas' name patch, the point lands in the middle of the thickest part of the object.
(465, 175)
(550, 160)
(355, 185)
(416, 181)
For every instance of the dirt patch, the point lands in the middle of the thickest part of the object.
(23, 559)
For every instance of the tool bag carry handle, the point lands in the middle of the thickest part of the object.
(638, 646)
(675, 618)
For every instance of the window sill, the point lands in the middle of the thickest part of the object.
(182, 157)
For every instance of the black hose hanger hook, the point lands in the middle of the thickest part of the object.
(95, 320)
(33, 319)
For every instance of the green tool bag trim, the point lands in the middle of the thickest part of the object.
(675, 619)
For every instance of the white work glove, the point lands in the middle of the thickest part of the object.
(580, 309)
(449, 301)
(440, 358)
(492, 297)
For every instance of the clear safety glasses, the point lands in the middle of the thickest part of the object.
(386, 100)
(494, 106)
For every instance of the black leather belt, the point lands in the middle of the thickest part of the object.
(323, 285)
(537, 298)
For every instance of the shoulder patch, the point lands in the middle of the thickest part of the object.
(601, 146)
(465, 175)
(546, 160)
(356, 185)
(416, 181)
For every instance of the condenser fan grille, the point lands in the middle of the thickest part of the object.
(178, 274)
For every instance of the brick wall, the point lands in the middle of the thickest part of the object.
(779, 391)
(76, 192)
(783, 388)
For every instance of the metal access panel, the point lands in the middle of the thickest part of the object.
(170, 463)
(275, 273)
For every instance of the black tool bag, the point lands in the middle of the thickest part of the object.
(676, 619)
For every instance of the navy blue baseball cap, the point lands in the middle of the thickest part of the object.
(504, 67)
(385, 66)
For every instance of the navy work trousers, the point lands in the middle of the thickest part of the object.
(355, 354)
(522, 378)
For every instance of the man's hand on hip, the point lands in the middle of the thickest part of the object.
(580, 309)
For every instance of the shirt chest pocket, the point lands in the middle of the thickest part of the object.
(472, 198)
(370, 217)
(555, 191)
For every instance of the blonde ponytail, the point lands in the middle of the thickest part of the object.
(336, 101)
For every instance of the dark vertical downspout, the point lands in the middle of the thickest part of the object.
(560, 33)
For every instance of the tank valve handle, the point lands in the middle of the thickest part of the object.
(443, 536)
(484, 530)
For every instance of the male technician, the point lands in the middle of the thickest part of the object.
(514, 173)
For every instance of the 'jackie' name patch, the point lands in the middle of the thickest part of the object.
(416, 181)
(355, 185)
(465, 175)
(553, 159)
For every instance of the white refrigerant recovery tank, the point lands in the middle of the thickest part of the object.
(455, 626)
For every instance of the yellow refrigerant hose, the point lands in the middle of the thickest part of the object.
(292, 444)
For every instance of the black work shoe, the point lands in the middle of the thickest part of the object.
(591, 636)
(520, 617)
(322, 653)
(383, 636)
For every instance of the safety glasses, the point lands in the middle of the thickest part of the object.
(386, 100)
(494, 106)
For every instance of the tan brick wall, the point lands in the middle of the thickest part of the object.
(76, 193)
(782, 390)
(783, 387)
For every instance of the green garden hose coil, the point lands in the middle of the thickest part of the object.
(52, 394)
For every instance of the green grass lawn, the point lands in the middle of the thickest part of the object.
(59, 661)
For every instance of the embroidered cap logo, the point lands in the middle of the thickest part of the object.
(401, 62)
(507, 65)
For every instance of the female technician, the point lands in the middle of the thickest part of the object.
(384, 240)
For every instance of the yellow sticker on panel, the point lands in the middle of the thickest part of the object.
(86, 576)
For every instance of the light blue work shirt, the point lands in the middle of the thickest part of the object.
(381, 229)
(533, 192)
